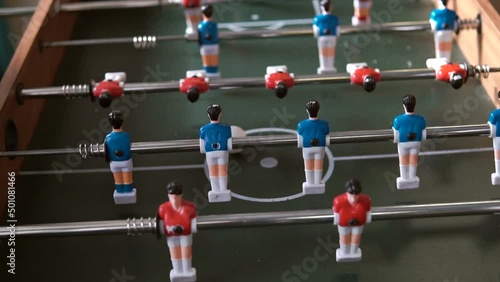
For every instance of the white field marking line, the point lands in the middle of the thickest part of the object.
(275, 24)
(201, 166)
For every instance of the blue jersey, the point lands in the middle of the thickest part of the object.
(215, 136)
(118, 146)
(326, 24)
(410, 127)
(445, 19)
(313, 132)
(495, 120)
(208, 33)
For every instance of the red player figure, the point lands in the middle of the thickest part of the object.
(361, 12)
(192, 11)
(110, 88)
(176, 219)
(351, 211)
(455, 74)
(279, 80)
(363, 75)
(194, 84)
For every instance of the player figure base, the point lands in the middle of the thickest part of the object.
(125, 198)
(356, 22)
(411, 183)
(183, 277)
(310, 189)
(495, 179)
(348, 257)
(213, 74)
(218, 197)
(327, 70)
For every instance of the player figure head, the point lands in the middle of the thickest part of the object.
(326, 6)
(443, 3)
(456, 81)
(116, 120)
(207, 12)
(281, 90)
(369, 83)
(174, 190)
(409, 103)
(214, 112)
(105, 99)
(353, 189)
(312, 108)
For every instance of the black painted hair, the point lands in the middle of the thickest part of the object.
(312, 108)
(214, 111)
(174, 188)
(445, 2)
(207, 10)
(115, 119)
(409, 101)
(353, 186)
(326, 4)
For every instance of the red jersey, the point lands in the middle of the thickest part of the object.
(173, 218)
(197, 82)
(446, 71)
(348, 212)
(358, 76)
(191, 3)
(113, 87)
(273, 79)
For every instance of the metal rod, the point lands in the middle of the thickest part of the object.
(68, 91)
(97, 150)
(100, 5)
(148, 225)
(256, 33)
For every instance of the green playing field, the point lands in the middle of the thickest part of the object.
(451, 249)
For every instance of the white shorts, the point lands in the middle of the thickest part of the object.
(313, 153)
(327, 41)
(496, 143)
(346, 230)
(209, 50)
(362, 4)
(122, 166)
(218, 158)
(443, 35)
(409, 148)
(183, 241)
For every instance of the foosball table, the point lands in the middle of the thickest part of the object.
(263, 135)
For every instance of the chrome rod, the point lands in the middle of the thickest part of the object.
(255, 33)
(226, 83)
(148, 225)
(87, 151)
(101, 5)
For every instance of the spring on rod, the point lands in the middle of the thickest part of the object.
(144, 42)
(75, 91)
(88, 151)
(465, 24)
(140, 226)
(479, 70)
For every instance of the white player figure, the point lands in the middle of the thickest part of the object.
(361, 12)
(494, 123)
(313, 135)
(326, 29)
(444, 22)
(409, 132)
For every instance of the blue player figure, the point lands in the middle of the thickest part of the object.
(326, 30)
(494, 123)
(216, 142)
(409, 132)
(119, 155)
(208, 37)
(444, 22)
(313, 135)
